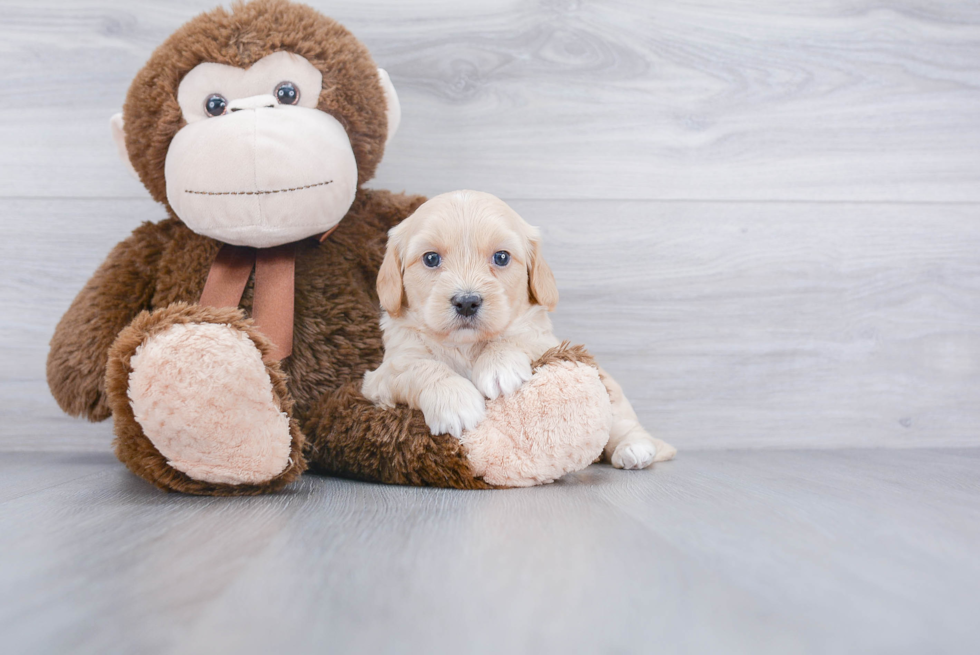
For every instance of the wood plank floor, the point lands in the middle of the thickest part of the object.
(845, 551)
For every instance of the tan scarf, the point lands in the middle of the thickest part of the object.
(275, 279)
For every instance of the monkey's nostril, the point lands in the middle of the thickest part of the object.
(467, 304)
(234, 109)
(253, 102)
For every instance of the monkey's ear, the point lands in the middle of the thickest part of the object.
(119, 137)
(394, 107)
(390, 279)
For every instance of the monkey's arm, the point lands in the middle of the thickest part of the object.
(121, 288)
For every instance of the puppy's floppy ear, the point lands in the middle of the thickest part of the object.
(540, 279)
(390, 278)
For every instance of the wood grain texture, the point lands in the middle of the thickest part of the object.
(613, 99)
(778, 324)
(764, 219)
(728, 324)
(735, 552)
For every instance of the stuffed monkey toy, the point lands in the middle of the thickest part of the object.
(228, 342)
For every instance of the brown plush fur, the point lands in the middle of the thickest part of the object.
(566, 352)
(123, 286)
(356, 439)
(240, 37)
(161, 268)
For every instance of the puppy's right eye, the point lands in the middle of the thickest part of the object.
(431, 259)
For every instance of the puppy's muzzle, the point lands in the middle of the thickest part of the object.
(467, 304)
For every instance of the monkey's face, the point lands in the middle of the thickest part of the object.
(257, 125)
(257, 164)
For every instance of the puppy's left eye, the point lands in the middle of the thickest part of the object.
(431, 259)
(501, 258)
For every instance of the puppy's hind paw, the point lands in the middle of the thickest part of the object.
(452, 406)
(637, 455)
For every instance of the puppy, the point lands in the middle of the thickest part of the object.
(466, 295)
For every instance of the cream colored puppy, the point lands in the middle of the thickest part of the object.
(466, 296)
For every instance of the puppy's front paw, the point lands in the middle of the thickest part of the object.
(634, 454)
(452, 406)
(501, 373)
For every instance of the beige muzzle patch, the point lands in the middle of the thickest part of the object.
(262, 176)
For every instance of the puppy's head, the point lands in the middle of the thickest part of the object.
(464, 265)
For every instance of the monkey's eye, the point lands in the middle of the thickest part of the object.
(501, 258)
(431, 259)
(287, 93)
(215, 105)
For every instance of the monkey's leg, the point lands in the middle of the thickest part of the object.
(350, 437)
(195, 407)
(557, 423)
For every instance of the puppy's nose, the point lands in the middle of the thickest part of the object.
(467, 304)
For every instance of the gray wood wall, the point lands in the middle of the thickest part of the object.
(764, 217)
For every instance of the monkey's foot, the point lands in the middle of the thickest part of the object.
(556, 423)
(196, 409)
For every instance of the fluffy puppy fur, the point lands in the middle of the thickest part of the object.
(466, 295)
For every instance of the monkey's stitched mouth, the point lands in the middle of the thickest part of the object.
(255, 193)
